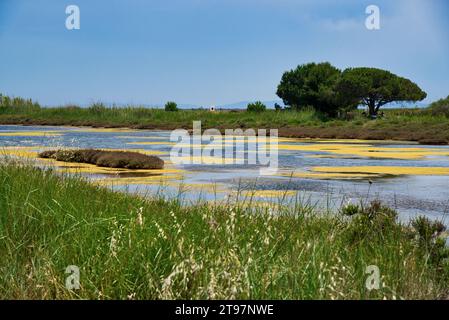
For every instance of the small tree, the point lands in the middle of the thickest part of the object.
(171, 106)
(310, 85)
(375, 88)
(256, 107)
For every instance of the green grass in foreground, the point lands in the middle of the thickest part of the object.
(398, 124)
(128, 247)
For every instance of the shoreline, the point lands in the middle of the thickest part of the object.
(300, 132)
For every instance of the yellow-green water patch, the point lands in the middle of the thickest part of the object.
(151, 143)
(384, 170)
(149, 180)
(144, 137)
(30, 133)
(207, 160)
(330, 175)
(369, 151)
(25, 152)
(106, 130)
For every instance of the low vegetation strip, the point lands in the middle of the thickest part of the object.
(127, 247)
(320, 100)
(399, 124)
(101, 158)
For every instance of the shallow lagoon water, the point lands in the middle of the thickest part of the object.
(314, 171)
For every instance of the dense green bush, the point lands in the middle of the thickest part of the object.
(171, 106)
(256, 107)
(369, 223)
(428, 234)
(310, 84)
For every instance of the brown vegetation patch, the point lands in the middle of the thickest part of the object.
(434, 142)
(101, 158)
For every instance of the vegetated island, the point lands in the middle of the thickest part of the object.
(321, 102)
(102, 158)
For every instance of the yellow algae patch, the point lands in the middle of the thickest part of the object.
(330, 156)
(268, 193)
(342, 141)
(30, 133)
(366, 150)
(151, 143)
(113, 130)
(93, 169)
(204, 145)
(365, 172)
(412, 155)
(385, 170)
(138, 180)
(355, 141)
(26, 152)
(208, 160)
(75, 167)
(144, 137)
(320, 147)
(330, 175)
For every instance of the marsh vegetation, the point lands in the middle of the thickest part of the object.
(103, 158)
(397, 124)
(127, 247)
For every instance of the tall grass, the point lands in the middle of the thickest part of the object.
(130, 248)
(100, 115)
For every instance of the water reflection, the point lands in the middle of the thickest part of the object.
(412, 178)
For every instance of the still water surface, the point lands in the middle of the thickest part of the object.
(412, 178)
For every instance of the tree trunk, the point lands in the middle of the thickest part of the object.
(372, 108)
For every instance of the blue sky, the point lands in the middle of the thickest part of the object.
(209, 52)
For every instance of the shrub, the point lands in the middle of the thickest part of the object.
(440, 107)
(111, 159)
(256, 107)
(428, 234)
(171, 106)
(350, 210)
(371, 222)
(427, 229)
